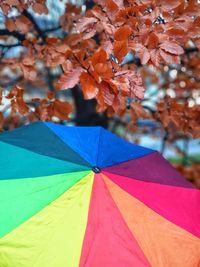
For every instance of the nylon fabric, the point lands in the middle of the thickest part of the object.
(17, 163)
(22, 198)
(150, 168)
(177, 204)
(114, 150)
(83, 140)
(108, 241)
(54, 236)
(164, 243)
(37, 137)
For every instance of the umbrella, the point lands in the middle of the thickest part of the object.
(81, 196)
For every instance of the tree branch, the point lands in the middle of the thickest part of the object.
(37, 28)
(19, 36)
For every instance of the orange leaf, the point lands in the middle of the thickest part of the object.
(69, 79)
(137, 111)
(5, 8)
(99, 57)
(61, 109)
(142, 52)
(40, 8)
(23, 24)
(88, 85)
(111, 6)
(120, 49)
(10, 25)
(106, 93)
(123, 33)
(22, 106)
(51, 95)
(155, 57)
(172, 48)
(87, 26)
(169, 58)
(153, 40)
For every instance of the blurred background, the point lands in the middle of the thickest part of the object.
(142, 126)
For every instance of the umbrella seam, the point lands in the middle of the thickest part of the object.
(98, 147)
(75, 151)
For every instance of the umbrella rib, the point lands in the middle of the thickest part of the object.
(98, 147)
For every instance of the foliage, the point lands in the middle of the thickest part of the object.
(89, 49)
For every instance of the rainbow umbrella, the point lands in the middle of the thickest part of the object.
(81, 196)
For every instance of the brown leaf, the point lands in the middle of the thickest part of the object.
(108, 28)
(142, 52)
(69, 79)
(153, 40)
(106, 93)
(120, 49)
(5, 8)
(12, 2)
(172, 48)
(61, 109)
(169, 58)
(136, 85)
(23, 24)
(87, 26)
(155, 57)
(88, 85)
(29, 72)
(51, 95)
(99, 57)
(22, 106)
(111, 6)
(10, 25)
(123, 33)
(137, 111)
(40, 8)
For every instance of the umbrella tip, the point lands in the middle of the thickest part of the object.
(96, 169)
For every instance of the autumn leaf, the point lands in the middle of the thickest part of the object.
(61, 109)
(17, 102)
(169, 58)
(172, 48)
(88, 85)
(123, 33)
(136, 85)
(105, 92)
(99, 56)
(137, 111)
(111, 6)
(120, 49)
(155, 57)
(22, 106)
(12, 2)
(40, 8)
(10, 25)
(108, 28)
(101, 68)
(87, 26)
(142, 52)
(153, 40)
(23, 24)
(29, 72)
(50, 95)
(69, 79)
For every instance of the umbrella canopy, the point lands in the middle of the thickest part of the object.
(81, 196)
